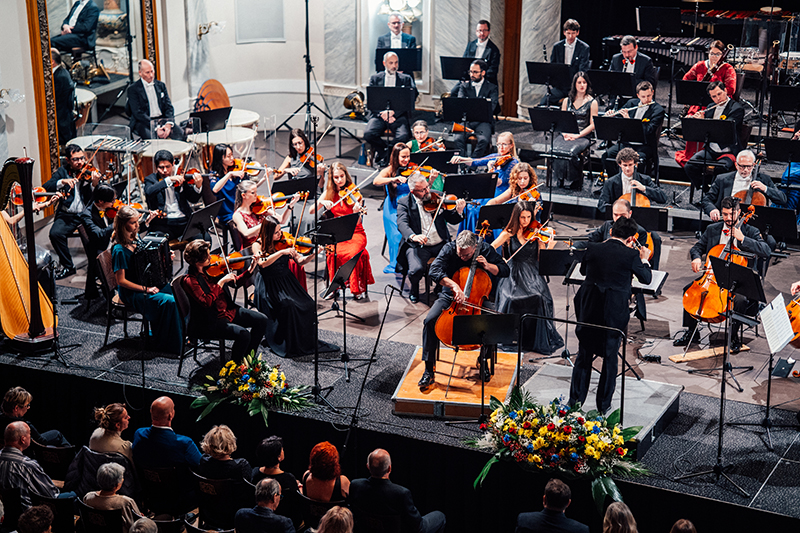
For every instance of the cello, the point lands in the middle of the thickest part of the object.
(476, 285)
(793, 310)
(704, 299)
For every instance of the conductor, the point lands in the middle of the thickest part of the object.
(603, 299)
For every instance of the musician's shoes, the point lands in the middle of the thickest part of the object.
(687, 338)
(65, 273)
(413, 297)
(427, 380)
(360, 296)
(736, 343)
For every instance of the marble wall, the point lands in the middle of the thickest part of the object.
(340, 42)
(197, 51)
(541, 27)
(3, 133)
(451, 33)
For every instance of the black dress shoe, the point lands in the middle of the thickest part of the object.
(413, 298)
(65, 273)
(736, 344)
(687, 338)
(427, 380)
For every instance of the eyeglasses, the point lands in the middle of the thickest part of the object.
(745, 166)
(715, 54)
(503, 144)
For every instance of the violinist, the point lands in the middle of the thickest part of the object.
(422, 141)
(393, 180)
(379, 122)
(629, 181)
(223, 185)
(423, 237)
(169, 193)
(748, 239)
(719, 69)
(741, 181)
(522, 178)
(300, 163)
(338, 181)
(477, 87)
(77, 185)
(280, 297)
(525, 290)
(247, 223)
(603, 300)
(651, 114)
(99, 229)
(454, 256)
(584, 106)
(214, 314)
(725, 109)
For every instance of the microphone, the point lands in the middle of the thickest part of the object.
(392, 287)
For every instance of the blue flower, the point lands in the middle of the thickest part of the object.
(530, 447)
(596, 430)
(245, 377)
(574, 457)
(506, 439)
(554, 458)
(253, 387)
(512, 415)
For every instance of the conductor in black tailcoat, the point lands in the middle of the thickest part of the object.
(569, 48)
(603, 299)
(478, 86)
(484, 48)
(79, 29)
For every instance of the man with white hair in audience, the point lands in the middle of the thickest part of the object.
(262, 517)
(110, 477)
(144, 525)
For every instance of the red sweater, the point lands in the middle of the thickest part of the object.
(726, 74)
(218, 298)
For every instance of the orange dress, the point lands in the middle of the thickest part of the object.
(362, 273)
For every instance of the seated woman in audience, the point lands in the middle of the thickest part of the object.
(109, 478)
(683, 526)
(619, 519)
(112, 420)
(270, 454)
(217, 446)
(323, 481)
(336, 520)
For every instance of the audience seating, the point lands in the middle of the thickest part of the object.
(63, 512)
(12, 503)
(165, 526)
(54, 460)
(220, 499)
(313, 510)
(160, 487)
(82, 474)
(98, 521)
(194, 529)
(365, 522)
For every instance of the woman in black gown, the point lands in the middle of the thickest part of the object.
(525, 291)
(278, 294)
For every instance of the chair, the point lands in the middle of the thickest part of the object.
(54, 460)
(82, 474)
(194, 529)
(91, 267)
(108, 285)
(99, 521)
(165, 526)
(220, 499)
(63, 512)
(372, 523)
(426, 276)
(313, 510)
(161, 487)
(185, 312)
(12, 503)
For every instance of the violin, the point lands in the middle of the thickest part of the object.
(303, 245)
(236, 261)
(793, 309)
(112, 211)
(704, 300)
(429, 145)
(277, 201)
(193, 176)
(476, 285)
(250, 169)
(40, 195)
(502, 160)
(351, 194)
(530, 195)
(87, 171)
(448, 203)
(413, 167)
(539, 232)
(311, 158)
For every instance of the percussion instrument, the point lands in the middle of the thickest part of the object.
(85, 99)
(144, 160)
(152, 263)
(234, 136)
(243, 118)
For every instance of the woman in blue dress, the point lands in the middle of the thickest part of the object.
(396, 188)
(501, 162)
(223, 185)
(156, 304)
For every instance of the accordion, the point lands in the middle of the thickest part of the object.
(152, 263)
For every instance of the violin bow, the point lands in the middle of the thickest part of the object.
(356, 188)
(223, 254)
(302, 212)
(536, 233)
(433, 220)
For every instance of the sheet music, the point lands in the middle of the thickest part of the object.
(776, 324)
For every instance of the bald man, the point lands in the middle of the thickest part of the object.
(19, 471)
(148, 100)
(158, 445)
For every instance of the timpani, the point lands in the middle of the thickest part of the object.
(86, 100)
(243, 118)
(237, 137)
(179, 149)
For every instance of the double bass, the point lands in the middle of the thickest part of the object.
(26, 313)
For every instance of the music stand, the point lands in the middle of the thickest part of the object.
(397, 99)
(471, 186)
(331, 232)
(498, 216)
(783, 98)
(455, 68)
(613, 83)
(408, 59)
(621, 130)
(658, 20)
(782, 149)
(487, 330)
(688, 92)
(559, 263)
(465, 110)
(549, 74)
(776, 221)
(707, 131)
(651, 218)
(440, 160)
(552, 121)
(212, 120)
(201, 221)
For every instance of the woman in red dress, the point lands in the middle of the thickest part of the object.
(338, 180)
(724, 72)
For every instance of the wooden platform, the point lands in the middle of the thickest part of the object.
(463, 400)
(694, 355)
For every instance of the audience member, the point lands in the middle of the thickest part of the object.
(109, 478)
(270, 454)
(323, 480)
(619, 519)
(112, 421)
(683, 526)
(158, 445)
(37, 519)
(22, 472)
(551, 519)
(336, 520)
(144, 525)
(15, 407)
(377, 495)
(218, 445)
(262, 517)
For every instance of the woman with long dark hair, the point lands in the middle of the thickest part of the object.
(581, 102)
(223, 185)
(395, 184)
(295, 165)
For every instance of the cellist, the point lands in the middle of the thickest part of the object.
(748, 239)
(628, 181)
(452, 257)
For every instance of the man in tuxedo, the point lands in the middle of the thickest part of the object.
(396, 38)
(377, 495)
(77, 195)
(725, 109)
(378, 122)
(551, 519)
(99, 228)
(747, 239)
(622, 208)
(630, 60)
(484, 48)
(64, 92)
(571, 51)
(478, 86)
(148, 100)
(79, 29)
(171, 195)
(741, 180)
(420, 241)
(651, 113)
(627, 181)
(603, 299)
(262, 517)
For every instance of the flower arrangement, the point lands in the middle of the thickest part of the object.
(255, 385)
(561, 440)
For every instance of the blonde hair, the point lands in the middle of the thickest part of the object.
(109, 416)
(243, 187)
(336, 520)
(124, 215)
(509, 135)
(219, 441)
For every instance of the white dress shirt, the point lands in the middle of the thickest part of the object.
(397, 40)
(740, 183)
(569, 51)
(629, 65)
(74, 18)
(152, 98)
(426, 219)
(480, 49)
(626, 184)
(640, 112)
(717, 114)
(477, 86)
(390, 80)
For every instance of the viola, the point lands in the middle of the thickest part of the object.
(459, 128)
(302, 244)
(311, 158)
(251, 168)
(704, 299)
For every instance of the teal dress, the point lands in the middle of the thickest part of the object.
(159, 309)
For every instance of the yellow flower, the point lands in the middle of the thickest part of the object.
(539, 443)
(616, 430)
(619, 441)
(723, 117)
(531, 458)
(256, 395)
(223, 372)
(589, 450)
(283, 376)
(592, 439)
(535, 421)
(537, 459)
(543, 431)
